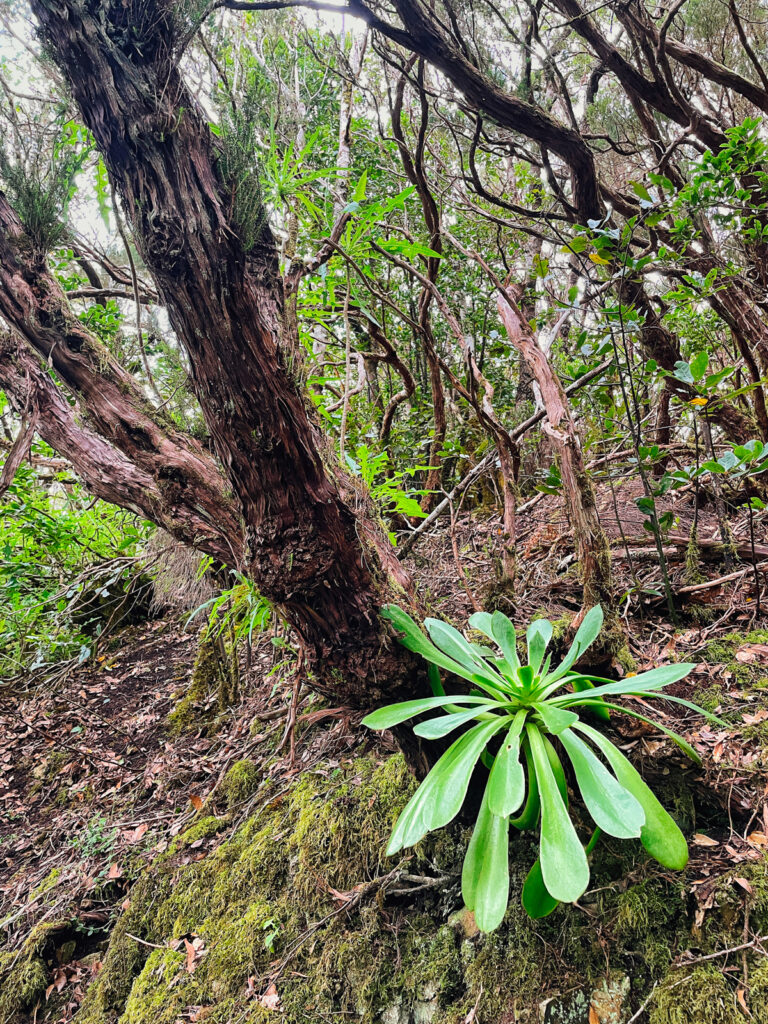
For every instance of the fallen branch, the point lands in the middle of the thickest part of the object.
(694, 587)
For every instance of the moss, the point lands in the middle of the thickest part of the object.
(50, 880)
(701, 997)
(285, 886)
(204, 828)
(162, 991)
(758, 992)
(647, 917)
(198, 707)
(241, 782)
(24, 973)
(723, 652)
(22, 984)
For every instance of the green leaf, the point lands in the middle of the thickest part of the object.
(506, 785)
(504, 634)
(555, 719)
(612, 808)
(417, 642)
(457, 647)
(537, 902)
(437, 727)
(538, 635)
(485, 872)
(439, 798)
(529, 816)
(586, 635)
(564, 864)
(699, 365)
(659, 835)
(683, 372)
(653, 680)
(675, 737)
(394, 714)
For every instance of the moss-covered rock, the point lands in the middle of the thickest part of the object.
(703, 996)
(302, 896)
(212, 688)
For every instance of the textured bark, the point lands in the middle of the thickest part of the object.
(591, 543)
(328, 568)
(193, 489)
(106, 472)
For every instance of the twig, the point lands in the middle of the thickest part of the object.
(721, 952)
(691, 588)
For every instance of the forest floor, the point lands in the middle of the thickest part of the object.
(98, 788)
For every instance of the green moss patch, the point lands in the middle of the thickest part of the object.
(288, 899)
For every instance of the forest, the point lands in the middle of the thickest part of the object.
(383, 511)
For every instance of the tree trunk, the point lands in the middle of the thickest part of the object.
(193, 504)
(592, 547)
(215, 266)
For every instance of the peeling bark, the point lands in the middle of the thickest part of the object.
(308, 551)
(34, 305)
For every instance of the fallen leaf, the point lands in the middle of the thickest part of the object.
(115, 871)
(196, 801)
(757, 839)
(270, 1000)
(744, 884)
(190, 964)
(702, 840)
(135, 835)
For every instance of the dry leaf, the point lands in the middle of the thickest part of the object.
(270, 1000)
(135, 835)
(744, 884)
(701, 840)
(115, 871)
(196, 801)
(757, 839)
(593, 1017)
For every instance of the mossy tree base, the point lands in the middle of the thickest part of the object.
(279, 902)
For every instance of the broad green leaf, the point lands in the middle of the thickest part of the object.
(564, 864)
(506, 637)
(653, 680)
(506, 784)
(485, 872)
(417, 642)
(699, 365)
(439, 798)
(586, 635)
(394, 714)
(555, 719)
(612, 808)
(659, 835)
(441, 726)
(457, 647)
(538, 635)
(481, 621)
(537, 902)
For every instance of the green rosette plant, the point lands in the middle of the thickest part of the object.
(535, 711)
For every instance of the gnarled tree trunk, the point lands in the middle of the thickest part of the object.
(328, 566)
